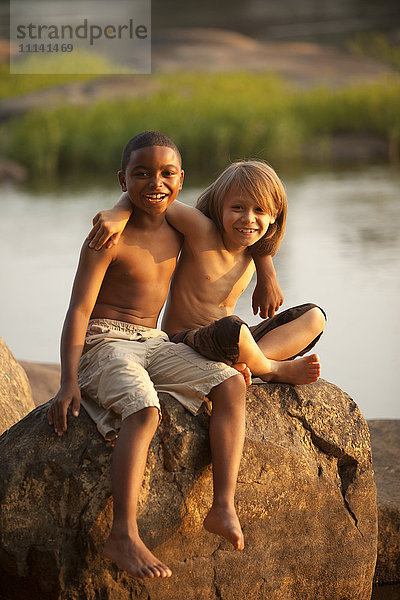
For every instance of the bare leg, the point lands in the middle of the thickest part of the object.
(289, 339)
(227, 427)
(300, 371)
(124, 545)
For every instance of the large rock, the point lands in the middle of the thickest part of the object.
(15, 392)
(385, 439)
(306, 499)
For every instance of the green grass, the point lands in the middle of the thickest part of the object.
(18, 85)
(213, 118)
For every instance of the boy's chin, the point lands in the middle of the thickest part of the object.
(154, 208)
(254, 242)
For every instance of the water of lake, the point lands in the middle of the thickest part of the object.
(341, 250)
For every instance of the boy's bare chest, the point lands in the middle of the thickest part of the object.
(224, 275)
(145, 259)
(215, 264)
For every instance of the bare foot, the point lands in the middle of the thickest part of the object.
(134, 557)
(244, 370)
(225, 522)
(298, 372)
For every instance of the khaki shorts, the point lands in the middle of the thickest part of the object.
(123, 366)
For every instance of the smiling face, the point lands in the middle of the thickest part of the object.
(152, 178)
(244, 221)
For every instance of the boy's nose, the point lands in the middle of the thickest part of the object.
(248, 217)
(155, 181)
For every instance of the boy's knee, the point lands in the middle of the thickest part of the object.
(234, 387)
(318, 319)
(240, 384)
(146, 417)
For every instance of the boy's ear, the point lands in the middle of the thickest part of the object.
(122, 180)
(273, 218)
(182, 177)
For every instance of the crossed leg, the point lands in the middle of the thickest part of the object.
(124, 545)
(268, 357)
(291, 338)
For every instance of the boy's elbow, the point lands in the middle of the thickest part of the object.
(78, 313)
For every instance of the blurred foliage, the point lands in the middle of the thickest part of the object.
(213, 118)
(376, 45)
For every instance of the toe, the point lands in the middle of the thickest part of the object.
(155, 570)
(165, 572)
(147, 573)
(240, 544)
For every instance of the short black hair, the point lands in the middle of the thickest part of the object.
(145, 139)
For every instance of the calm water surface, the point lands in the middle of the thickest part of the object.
(341, 250)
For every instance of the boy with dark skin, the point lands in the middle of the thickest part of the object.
(126, 289)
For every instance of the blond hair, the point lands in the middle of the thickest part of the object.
(258, 180)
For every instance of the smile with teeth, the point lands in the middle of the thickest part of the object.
(246, 230)
(155, 198)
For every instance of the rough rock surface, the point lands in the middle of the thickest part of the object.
(15, 392)
(385, 440)
(220, 50)
(306, 498)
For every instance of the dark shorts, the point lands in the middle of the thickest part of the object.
(219, 341)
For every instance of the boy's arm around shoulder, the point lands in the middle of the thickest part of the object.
(108, 225)
(189, 221)
(267, 296)
(89, 277)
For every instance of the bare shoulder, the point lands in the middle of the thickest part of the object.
(93, 264)
(188, 219)
(190, 222)
(91, 271)
(89, 257)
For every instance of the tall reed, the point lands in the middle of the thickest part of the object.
(213, 118)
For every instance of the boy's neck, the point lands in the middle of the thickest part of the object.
(142, 220)
(232, 248)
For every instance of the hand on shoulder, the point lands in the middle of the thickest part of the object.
(108, 226)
